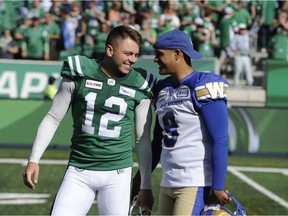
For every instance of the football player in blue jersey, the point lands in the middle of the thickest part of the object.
(191, 130)
(106, 97)
(192, 123)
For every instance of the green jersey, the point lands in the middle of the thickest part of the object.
(103, 113)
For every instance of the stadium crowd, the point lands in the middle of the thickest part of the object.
(54, 29)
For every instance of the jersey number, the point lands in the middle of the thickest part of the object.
(170, 127)
(87, 127)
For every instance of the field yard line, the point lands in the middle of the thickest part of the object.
(22, 198)
(284, 171)
(258, 187)
(24, 161)
(64, 162)
(22, 195)
(22, 201)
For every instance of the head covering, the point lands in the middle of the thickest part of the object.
(52, 79)
(228, 10)
(242, 26)
(199, 21)
(177, 39)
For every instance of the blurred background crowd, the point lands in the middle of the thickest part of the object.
(54, 29)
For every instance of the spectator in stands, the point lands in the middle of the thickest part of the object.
(241, 14)
(55, 10)
(94, 13)
(149, 37)
(99, 41)
(128, 7)
(163, 16)
(279, 43)
(20, 37)
(149, 11)
(76, 13)
(129, 20)
(188, 15)
(280, 23)
(240, 48)
(168, 20)
(8, 15)
(217, 7)
(37, 41)
(114, 13)
(54, 35)
(283, 5)
(267, 16)
(68, 29)
(8, 46)
(36, 10)
(202, 39)
(226, 34)
(214, 33)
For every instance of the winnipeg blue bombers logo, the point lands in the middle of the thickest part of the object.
(212, 90)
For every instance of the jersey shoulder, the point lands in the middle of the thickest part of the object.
(143, 79)
(210, 86)
(78, 66)
(162, 83)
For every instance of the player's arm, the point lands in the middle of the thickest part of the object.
(215, 116)
(143, 119)
(156, 152)
(47, 129)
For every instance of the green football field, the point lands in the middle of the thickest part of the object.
(259, 183)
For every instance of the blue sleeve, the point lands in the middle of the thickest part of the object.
(215, 117)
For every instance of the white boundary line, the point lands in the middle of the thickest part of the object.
(235, 170)
(24, 162)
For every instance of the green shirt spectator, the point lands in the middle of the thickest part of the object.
(149, 36)
(20, 36)
(226, 28)
(7, 15)
(37, 41)
(217, 7)
(54, 35)
(242, 15)
(100, 40)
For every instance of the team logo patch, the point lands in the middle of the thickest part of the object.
(111, 82)
(93, 84)
(211, 90)
(127, 91)
(119, 171)
(183, 92)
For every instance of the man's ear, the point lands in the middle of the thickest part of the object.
(109, 50)
(178, 53)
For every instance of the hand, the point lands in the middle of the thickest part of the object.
(135, 185)
(219, 197)
(30, 175)
(145, 200)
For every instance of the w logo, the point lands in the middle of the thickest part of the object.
(216, 89)
(212, 90)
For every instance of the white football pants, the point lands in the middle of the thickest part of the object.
(80, 187)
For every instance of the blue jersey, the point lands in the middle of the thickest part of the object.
(191, 147)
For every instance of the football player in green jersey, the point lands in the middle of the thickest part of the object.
(106, 99)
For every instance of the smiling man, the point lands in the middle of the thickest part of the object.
(106, 98)
(191, 131)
